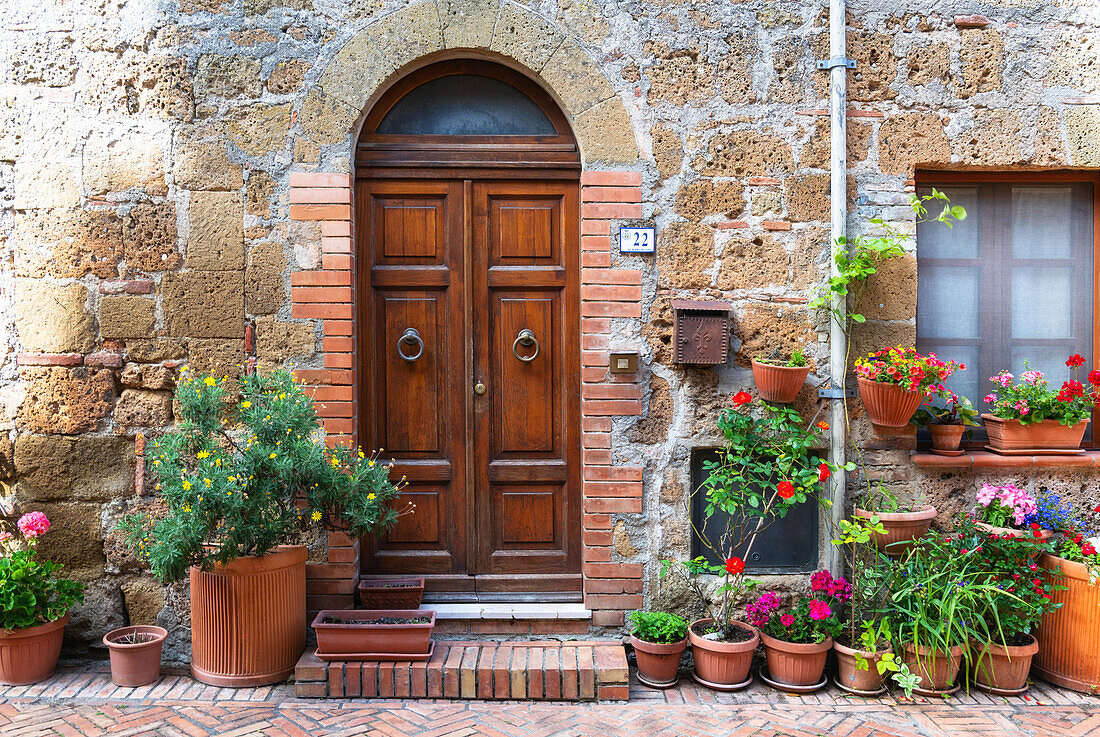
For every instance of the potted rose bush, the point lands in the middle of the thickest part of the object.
(778, 377)
(659, 639)
(894, 381)
(35, 604)
(1030, 415)
(241, 478)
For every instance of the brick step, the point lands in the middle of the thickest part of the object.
(543, 670)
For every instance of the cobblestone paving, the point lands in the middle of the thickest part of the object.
(80, 702)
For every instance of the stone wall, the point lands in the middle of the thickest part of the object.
(146, 152)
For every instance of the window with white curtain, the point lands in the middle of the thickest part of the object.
(1012, 282)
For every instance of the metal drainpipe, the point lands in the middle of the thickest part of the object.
(838, 344)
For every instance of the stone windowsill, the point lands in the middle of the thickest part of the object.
(986, 459)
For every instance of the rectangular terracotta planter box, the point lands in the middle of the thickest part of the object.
(1010, 435)
(390, 593)
(373, 639)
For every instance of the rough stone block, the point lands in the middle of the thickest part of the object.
(148, 376)
(44, 183)
(217, 231)
(227, 76)
(982, 57)
(131, 160)
(576, 78)
(261, 187)
(287, 76)
(668, 150)
(1082, 132)
(67, 243)
(735, 70)
(705, 197)
(928, 63)
(355, 72)
(53, 319)
(85, 468)
(764, 328)
(149, 237)
(75, 537)
(808, 197)
(265, 292)
(891, 292)
(909, 140)
(215, 356)
(144, 599)
(525, 37)
(277, 341)
(753, 262)
(817, 152)
(678, 76)
(745, 154)
(606, 134)
(127, 317)
(325, 119)
(994, 140)
(204, 304)
(685, 257)
(261, 128)
(66, 401)
(205, 165)
(141, 408)
(468, 24)
(407, 34)
(153, 351)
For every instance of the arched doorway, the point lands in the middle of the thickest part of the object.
(467, 237)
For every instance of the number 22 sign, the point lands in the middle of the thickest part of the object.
(637, 240)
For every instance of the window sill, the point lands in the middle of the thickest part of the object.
(985, 459)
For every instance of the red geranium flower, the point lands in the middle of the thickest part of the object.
(734, 565)
(785, 489)
(741, 398)
(1088, 549)
(1075, 360)
(823, 472)
(1094, 377)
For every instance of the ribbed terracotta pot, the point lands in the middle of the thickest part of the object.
(793, 663)
(902, 528)
(1069, 637)
(852, 678)
(1005, 668)
(724, 664)
(946, 437)
(779, 383)
(1025, 535)
(30, 655)
(135, 663)
(248, 619)
(937, 669)
(1043, 435)
(658, 663)
(888, 404)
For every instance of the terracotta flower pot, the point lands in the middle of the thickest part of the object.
(391, 593)
(350, 638)
(1004, 668)
(1010, 435)
(1025, 535)
(30, 655)
(658, 663)
(946, 437)
(902, 528)
(248, 619)
(852, 678)
(723, 664)
(888, 405)
(135, 663)
(937, 669)
(1069, 637)
(778, 383)
(794, 663)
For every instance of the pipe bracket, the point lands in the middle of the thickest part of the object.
(835, 392)
(836, 61)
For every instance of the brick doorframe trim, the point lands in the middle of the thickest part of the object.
(327, 294)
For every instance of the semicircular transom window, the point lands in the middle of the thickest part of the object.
(466, 105)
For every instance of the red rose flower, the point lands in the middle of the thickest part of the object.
(1088, 549)
(1075, 360)
(785, 489)
(823, 472)
(734, 565)
(741, 398)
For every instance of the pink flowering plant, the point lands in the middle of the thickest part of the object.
(1032, 399)
(30, 592)
(907, 368)
(1005, 506)
(810, 619)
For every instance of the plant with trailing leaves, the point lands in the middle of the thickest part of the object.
(242, 477)
(662, 628)
(30, 591)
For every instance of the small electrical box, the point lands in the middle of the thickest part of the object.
(624, 362)
(701, 331)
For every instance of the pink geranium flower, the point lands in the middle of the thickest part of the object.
(820, 610)
(33, 524)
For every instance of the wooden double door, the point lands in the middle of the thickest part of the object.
(470, 380)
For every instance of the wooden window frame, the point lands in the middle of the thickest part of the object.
(939, 178)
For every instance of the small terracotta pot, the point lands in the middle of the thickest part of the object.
(793, 663)
(852, 678)
(1001, 667)
(937, 669)
(248, 619)
(902, 528)
(1043, 435)
(722, 663)
(1069, 637)
(946, 437)
(1025, 535)
(30, 655)
(888, 405)
(136, 663)
(391, 593)
(658, 663)
(778, 383)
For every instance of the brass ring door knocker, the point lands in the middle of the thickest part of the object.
(410, 336)
(525, 338)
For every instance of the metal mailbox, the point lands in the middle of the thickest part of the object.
(701, 331)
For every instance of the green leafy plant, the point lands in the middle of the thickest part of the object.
(796, 359)
(956, 410)
(662, 628)
(30, 592)
(241, 478)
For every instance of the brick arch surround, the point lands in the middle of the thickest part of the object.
(347, 87)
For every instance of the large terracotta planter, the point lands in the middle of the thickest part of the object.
(793, 663)
(1047, 435)
(902, 528)
(854, 679)
(391, 593)
(658, 663)
(722, 665)
(888, 405)
(778, 383)
(30, 655)
(946, 437)
(248, 619)
(937, 669)
(353, 641)
(1004, 668)
(135, 654)
(1069, 637)
(1025, 535)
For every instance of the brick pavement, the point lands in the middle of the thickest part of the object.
(81, 702)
